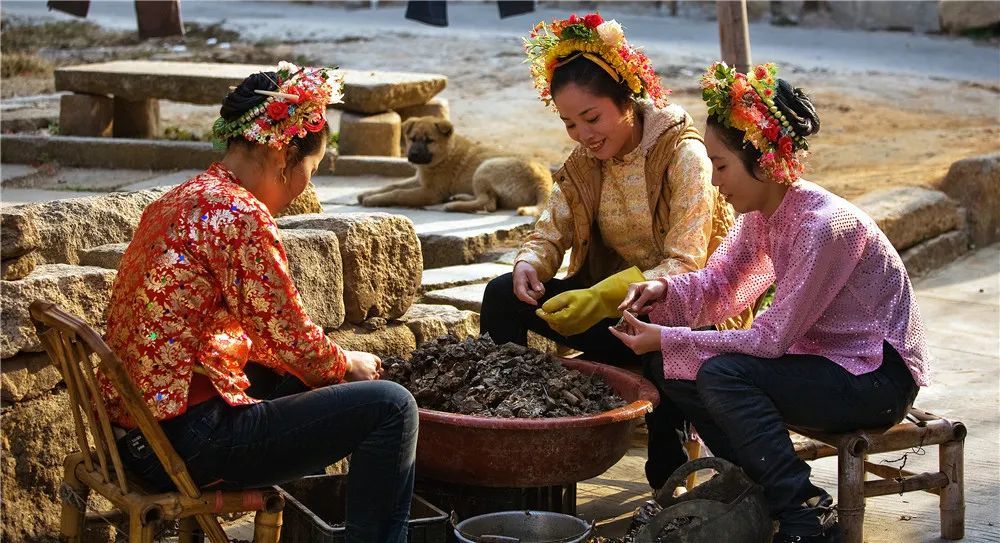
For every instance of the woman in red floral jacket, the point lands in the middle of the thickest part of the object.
(204, 287)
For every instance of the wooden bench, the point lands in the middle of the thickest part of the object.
(921, 429)
(121, 97)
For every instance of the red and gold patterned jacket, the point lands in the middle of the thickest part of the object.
(205, 281)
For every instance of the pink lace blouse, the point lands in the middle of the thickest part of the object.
(841, 291)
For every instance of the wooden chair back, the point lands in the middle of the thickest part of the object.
(72, 345)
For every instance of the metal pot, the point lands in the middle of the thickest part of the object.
(522, 527)
(729, 507)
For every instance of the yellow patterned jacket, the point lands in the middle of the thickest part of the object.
(689, 216)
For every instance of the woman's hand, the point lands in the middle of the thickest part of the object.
(362, 366)
(640, 297)
(643, 337)
(527, 287)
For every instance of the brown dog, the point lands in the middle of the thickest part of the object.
(450, 167)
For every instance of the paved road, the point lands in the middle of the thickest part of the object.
(696, 40)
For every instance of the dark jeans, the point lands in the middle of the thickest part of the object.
(740, 405)
(284, 438)
(507, 319)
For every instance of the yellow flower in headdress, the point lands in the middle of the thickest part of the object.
(603, 42)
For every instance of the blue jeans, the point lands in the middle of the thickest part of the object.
(740, 405)
(285, 438)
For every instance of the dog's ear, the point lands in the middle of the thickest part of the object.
(444, 127)
(407, 127)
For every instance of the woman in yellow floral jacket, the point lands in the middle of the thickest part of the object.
(634, 201)
(204, 287)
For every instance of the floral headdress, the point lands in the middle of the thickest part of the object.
(602, 42)
(746, 102)
(295, 109)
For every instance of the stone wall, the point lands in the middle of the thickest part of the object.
(363, 266)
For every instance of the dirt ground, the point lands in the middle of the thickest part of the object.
(877, 130)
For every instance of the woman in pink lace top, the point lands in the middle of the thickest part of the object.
(842, 345)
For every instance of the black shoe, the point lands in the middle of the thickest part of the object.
(830, 535)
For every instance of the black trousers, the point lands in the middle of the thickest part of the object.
(741, 404)
(507, 319)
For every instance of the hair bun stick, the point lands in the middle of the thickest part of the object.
(293, 98)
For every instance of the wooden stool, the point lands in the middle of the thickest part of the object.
(921, 429)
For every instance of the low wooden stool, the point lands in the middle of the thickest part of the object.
(852, 449)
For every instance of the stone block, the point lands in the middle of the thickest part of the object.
(909, 215)
(369, 135)
(37, 436)
(136, 118)
(975, 184)
(935, 252)
(958, 16)
(436, 107)
(307, 202)
(428, 321)
(15, 269)
(468, 297)
(18, 232)
(381, 260)
(315, 263)
(26, 376)
(81, 290)
(108, 152)
(103, 256)
(85, 115)
(466, 274)
(373, 165)
(389, 339)
(375, 92)
(66, 226)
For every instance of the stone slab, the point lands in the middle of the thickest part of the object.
(26, 376)
(19, 233)
(306, 202)
(935, 252)
(57, 177)
(115, 153)
(909, 215)
(381, 260)
(13, 172)
(103, 256)
(354, 165)
(163, 180)
(430, 321)
(975, 184)
(456, 276)
(450, 239)
(436, 107)
(15, 197)
(344, 190)
(468, 297)
(207, 83)
(315, 264)
(81, 290)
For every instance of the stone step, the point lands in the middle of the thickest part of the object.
(373, 165)
(468, 297)
(450, 239)
(344, 190)
(909, 215)
(465, 274)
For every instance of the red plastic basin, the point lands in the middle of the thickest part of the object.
(502, 452)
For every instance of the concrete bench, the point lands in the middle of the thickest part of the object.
(120, 98)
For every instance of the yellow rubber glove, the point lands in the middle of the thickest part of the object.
(576, 311)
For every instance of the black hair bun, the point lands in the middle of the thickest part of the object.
(798, 109)
(243, 98)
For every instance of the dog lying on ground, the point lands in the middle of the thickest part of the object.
(469, 176)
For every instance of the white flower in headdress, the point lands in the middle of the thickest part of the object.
(611, 32)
